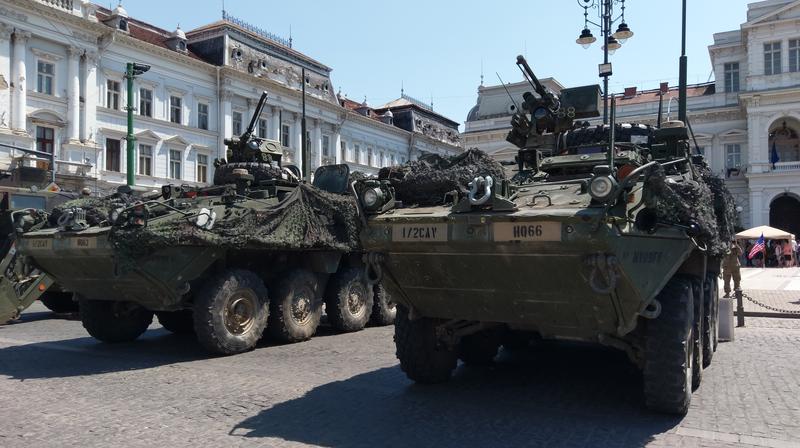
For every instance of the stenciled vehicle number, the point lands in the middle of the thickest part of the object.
(39, 244)
(83, 243)
(419, 232)
(527, 231)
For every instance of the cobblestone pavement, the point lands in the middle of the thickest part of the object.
(59, 387)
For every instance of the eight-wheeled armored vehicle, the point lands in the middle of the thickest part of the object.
(259, 249)
(609, 234)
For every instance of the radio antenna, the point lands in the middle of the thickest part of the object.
(509, 93)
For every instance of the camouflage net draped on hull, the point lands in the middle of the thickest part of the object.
(307, 218)
(426, 181)
(707, 203)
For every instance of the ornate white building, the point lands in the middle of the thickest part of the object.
(747, 121)
(63, 96)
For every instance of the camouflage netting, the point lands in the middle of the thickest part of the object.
(425, 182)
(97, 209)
(308, 218)
(686, 202)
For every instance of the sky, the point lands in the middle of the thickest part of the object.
(436, 49)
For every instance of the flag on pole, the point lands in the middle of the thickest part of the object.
(773, 156)
(758, 247)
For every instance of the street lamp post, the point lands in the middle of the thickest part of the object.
(132, 70)
(611, 42)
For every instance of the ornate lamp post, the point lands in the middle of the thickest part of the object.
(611, 42)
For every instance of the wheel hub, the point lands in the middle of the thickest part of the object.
(239, 313)
(301, 307)
(356, 301)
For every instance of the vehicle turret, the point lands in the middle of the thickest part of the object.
(249, 147)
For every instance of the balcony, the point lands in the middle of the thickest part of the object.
(786, 166)
(66, 5)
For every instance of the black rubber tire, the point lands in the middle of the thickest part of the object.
(178, 322)
(669, 350)
(59, 302)
(711, 318)
(112, 321)
(384, 310)
(421, 357)
(260, 171)
(283, 325)
(699, 320)
(210, 306)
(479, 348)
(343, 286)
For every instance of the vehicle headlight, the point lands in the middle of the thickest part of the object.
(372, 198)
(602, 188)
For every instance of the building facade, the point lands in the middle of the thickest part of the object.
(63, 100)
(746, 121)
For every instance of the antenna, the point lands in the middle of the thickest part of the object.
(402, 88)
(290, 35)
(223, 9)
(482, 72)
(516, 107)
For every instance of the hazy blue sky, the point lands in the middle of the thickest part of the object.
(435, 47)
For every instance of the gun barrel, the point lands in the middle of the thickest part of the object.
(537, 86)
(260, 107)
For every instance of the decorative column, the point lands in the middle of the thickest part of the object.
(226, 120)
(338, 157)
(757, 211)
(275, 126)
(251, 110)
(73, 95)
(298, 141)
(88, 130)
(19, 100)
(316, 142)
(5, 73)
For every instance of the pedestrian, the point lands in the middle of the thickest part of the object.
(778, 250)
(794, 250)
(730, 268)
(788, 260)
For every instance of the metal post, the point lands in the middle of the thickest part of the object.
(303, 143)
(739, 308)
(606, 32)
(682, 77)
(130, 138)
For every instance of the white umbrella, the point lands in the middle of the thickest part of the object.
(770, 233)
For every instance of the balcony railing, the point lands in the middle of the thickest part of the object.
(66, 5)
(786, 166)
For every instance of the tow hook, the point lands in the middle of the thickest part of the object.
(487, 183)
(605, 273)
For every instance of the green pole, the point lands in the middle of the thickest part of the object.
(131, 139)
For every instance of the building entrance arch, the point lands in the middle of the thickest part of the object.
(784, 213)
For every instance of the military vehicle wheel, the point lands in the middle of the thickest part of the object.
(59, 302)
(384, 310)
(479, 348)
(178, 322)
(230, 312)
(711, 318)
(669, 350)
(348, 300)
(697, 302)
(421, 356)
(111, 321)
(260, 171)
(295, 309)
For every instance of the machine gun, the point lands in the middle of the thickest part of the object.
(250, 148)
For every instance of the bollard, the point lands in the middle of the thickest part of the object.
(739, 308)
(725, 319)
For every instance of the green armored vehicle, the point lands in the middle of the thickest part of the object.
(259, 249)
(608, 234)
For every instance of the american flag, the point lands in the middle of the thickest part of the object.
(758, 247)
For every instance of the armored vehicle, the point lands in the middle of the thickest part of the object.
(260, 249)
(608, 234)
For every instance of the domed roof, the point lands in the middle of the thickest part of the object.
(473, 113)
(119, 11)
(179, 33)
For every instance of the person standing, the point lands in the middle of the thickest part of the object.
(788, 259)
(731, 268)
(776, 247)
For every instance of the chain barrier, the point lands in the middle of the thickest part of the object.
(771, 308)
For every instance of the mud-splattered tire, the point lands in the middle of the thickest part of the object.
(348, 300)
(669, 350)
(260, 171)
(178, 322)
(711, 318)
(384, 310)
(479, 348)
(230, 312)
(113, 322)
(421, 357)
(296, 308)
(59, 302)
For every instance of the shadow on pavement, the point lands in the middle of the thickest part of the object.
(551, 395)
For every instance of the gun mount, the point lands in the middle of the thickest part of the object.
(251, 148)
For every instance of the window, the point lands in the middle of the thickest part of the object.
(326, 145)
(202, 116)
(44, 139)
(145, 102)
(357, 156)
(112, 94)
(733, 156)
(794, 55)
(772, 58)
(202, 168)
(343, 151)
(112, 155)
(174, 164)
(175, 109)
(731, 77)
(369, 157)
(701, 150)
(285, 135)
(45, 74)
(145, 160)
(262, 128)
(237, 123)
(308, 139)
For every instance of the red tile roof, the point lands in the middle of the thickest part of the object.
(144, 31)
(647, 96)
